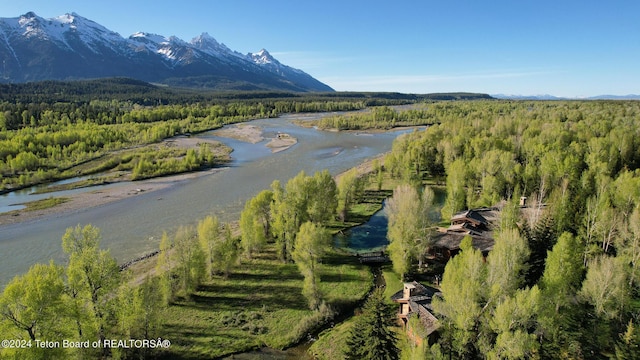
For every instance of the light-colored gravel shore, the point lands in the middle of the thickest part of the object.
(281, 143)
(254, 134)
(90, 198)
(243, 132)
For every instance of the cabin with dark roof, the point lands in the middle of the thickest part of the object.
(472, 218)
(414, 300)
(476, 223)
(447, 245)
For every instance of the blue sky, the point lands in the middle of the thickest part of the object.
(565, 48)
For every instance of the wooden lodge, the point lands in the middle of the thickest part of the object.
(476, 223)
(414, 300)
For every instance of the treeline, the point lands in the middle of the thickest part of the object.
(42, 153)
(562, 278)
(146, 94)
(382, 117)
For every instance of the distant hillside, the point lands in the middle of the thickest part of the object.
(144, 93)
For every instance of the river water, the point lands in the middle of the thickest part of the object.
(133, 226)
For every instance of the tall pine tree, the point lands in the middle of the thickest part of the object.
(371, 336)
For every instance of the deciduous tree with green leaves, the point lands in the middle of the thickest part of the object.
(255, 223)
(350, 188)
(410, 226)
(92, 278)
(225, 252)
(311, 245)
(463, 294)
(208, 236)
(32, 307)
(190, 264)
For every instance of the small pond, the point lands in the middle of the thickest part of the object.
(370, 236)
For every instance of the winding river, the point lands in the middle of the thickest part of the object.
(133, 226)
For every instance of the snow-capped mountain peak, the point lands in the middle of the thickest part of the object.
(209, 45)
(148, 38)
(73, 47)
(263, 57)
(63, 29)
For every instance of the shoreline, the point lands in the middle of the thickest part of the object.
(364, 168)
(93, 198)
(126, 189)
(254, 134)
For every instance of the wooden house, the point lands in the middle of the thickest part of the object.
(447, 245)
(475, 223)
(414, 300)
(471, 218)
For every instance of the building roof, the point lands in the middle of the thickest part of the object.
(469, 215)
(420, 304)
(422, 292)
(451, 241)
(428, 320)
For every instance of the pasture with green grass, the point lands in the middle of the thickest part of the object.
(260, 305)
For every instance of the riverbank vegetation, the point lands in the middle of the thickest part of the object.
(41, 204)
(378, 118)
(208, 294)
(562, 278)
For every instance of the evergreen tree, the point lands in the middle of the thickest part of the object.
(628, 347)
(541, 239)
(372, 336)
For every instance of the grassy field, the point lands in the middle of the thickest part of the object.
(41, 204)
(260, 304)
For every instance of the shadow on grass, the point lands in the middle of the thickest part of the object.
(337, 259)
(233, 297)
(259, 273)
(376, 196)
(339, 278)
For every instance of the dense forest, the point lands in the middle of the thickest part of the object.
(562, 278)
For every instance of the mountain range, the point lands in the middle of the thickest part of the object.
(71, 47)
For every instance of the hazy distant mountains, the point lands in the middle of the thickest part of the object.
(70, 47)
(551, 97)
